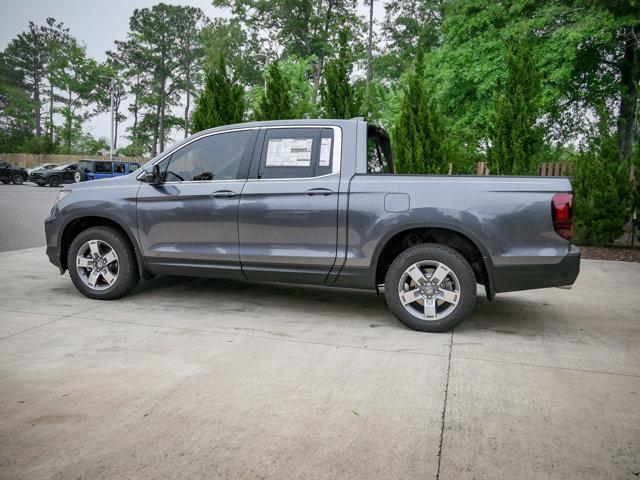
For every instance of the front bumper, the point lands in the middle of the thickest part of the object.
(529, 277)
(52, 229)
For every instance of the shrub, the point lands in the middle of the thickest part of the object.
(602, 194)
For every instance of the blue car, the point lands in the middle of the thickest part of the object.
(95, 169)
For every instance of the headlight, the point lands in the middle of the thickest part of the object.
(62, 194)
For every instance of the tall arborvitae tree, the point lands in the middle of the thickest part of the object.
(221, 102)
(418, 134)
(275, 102)
(339, 99)
(514, 138)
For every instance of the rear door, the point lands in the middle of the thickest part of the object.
(289, 206)
(189, 224)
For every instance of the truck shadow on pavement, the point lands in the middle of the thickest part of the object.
(505, 315)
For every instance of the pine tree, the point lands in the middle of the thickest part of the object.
(275, 102)
(515, 140)
(339, 99)
(418, 135)
(221, 102)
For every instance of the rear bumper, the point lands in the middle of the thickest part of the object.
(529, 277)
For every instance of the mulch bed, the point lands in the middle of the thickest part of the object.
(617, 252)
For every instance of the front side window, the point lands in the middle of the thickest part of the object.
(215, 157)
(118, 168)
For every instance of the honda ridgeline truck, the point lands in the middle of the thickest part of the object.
(315, 202)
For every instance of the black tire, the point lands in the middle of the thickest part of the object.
(17, 179)
(128, 276)
(79, 176)
(54, 181)
(6, 182)
(439, 253)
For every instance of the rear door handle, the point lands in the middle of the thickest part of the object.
(318, 191)
(223, 194)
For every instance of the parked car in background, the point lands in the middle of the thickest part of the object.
(316, 201)
(15, 175)
(42, 166)
(95, 169)
(54, 177)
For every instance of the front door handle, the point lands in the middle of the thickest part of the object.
(223, 194)
(318, 191)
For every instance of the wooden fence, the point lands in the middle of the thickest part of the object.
(545, 169)
(28, 160)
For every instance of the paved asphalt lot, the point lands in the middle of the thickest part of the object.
(199, 378)
(23, 209)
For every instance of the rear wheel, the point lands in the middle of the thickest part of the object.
(17, 179)
(430, 288)
(54, 182)
(102, 263)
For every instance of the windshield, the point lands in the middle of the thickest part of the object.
(62, 167)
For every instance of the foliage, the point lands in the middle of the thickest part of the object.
(221, 102)
(514, 137)
(275, 102)
(87, 144)
(602, 192)
(339, 99)
(77, 76)
(580, 45)
(418, 135)
(226, 38)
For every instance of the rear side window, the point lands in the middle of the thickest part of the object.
(214, 157)
(118, 168)
(102, 167)
(292, 153)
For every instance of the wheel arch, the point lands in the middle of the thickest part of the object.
(454, 236)
(79, 224)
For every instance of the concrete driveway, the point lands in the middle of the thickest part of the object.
(196, 378)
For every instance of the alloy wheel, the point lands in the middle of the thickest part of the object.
(429, 290)
(97, 264)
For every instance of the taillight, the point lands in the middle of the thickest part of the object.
(562, 214)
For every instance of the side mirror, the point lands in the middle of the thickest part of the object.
(153, 176)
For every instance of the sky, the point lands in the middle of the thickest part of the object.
(97, 23)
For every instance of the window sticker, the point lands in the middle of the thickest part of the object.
(325, 152)
(289, 152)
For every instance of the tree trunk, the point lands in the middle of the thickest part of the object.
(630, 74)
(317, 75)
(50, 111)
(161, 125)
(156, 131)
(186, 108)
(36, 99)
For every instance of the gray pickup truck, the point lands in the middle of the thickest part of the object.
(315, 202)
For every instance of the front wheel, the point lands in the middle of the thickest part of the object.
(79, 176)
(430, 288)
(17, 179)
(54, 182)
(102, 263)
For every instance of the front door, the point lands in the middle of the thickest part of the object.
(289, 206)
(188, 225)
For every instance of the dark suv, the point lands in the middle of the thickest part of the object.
(95, 169)
(15, 175)
(54, 177)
